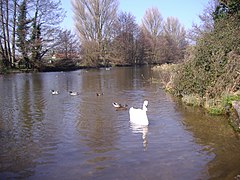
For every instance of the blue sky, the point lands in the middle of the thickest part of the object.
(186, 11)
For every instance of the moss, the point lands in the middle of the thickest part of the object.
(216, 110)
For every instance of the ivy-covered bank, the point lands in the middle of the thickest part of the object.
(209, 75)
(228, 103)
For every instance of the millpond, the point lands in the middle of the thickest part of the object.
(45, 136)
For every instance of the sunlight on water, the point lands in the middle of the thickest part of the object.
(45, 136)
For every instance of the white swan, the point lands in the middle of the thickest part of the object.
(142, 129)
(139, 116)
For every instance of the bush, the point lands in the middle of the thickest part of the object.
(212, 67)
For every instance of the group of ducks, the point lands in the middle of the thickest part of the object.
(137, 116)
(72, 93)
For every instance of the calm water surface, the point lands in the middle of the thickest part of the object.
(45, 136)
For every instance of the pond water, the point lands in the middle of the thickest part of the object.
(45, 136)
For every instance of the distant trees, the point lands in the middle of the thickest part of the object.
(68, 45)
(47, 15)
(152, 24)
(123, 46)
(8, 16)
(93, 21)
(28, 30)
(166, 39)
(110, 37)
(174, 38)
(206, 22)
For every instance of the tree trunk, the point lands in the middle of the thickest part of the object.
(5, 52)
(7, 33)
(13, 60)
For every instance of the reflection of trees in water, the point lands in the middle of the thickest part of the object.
(140, 129)
(23, 126)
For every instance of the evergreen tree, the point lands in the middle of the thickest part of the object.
(22, 32)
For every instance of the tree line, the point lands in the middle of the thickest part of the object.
(30, 34)
(29, 30)
(108, 36)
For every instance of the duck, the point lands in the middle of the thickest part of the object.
(54, 92)
(139, 116)
(72, 93)
(99, 94)
(119, 107)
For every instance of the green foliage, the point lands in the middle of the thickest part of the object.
(22, 32)
(212, 66)
(227, 99)
(216, 110)
(226, 9)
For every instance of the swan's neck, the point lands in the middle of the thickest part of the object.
(144, 108)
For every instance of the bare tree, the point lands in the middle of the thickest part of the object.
(14, 21)
(8, 16)
(175, 39)
(68, 45)
(174, 29)
(207, 21)
(124, 42)
(32, 25)
(152, 24)
(47, 16)
(93, 21)
(144, 48)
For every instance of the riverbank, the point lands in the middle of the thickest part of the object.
(227, 104)
(59, 65)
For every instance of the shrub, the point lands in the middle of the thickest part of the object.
(212, 67)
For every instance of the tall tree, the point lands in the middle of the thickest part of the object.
(22, 32)
(206, 22)
(152, 24)
(124, 42)
(93, 21)
(14, 20)
(47, 15)
(174, 29)
(175, 36)
(5, 32)
(8, 20)
(68, 45)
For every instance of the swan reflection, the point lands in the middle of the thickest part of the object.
(141, 129)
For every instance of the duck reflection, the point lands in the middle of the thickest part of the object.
(141, 129)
